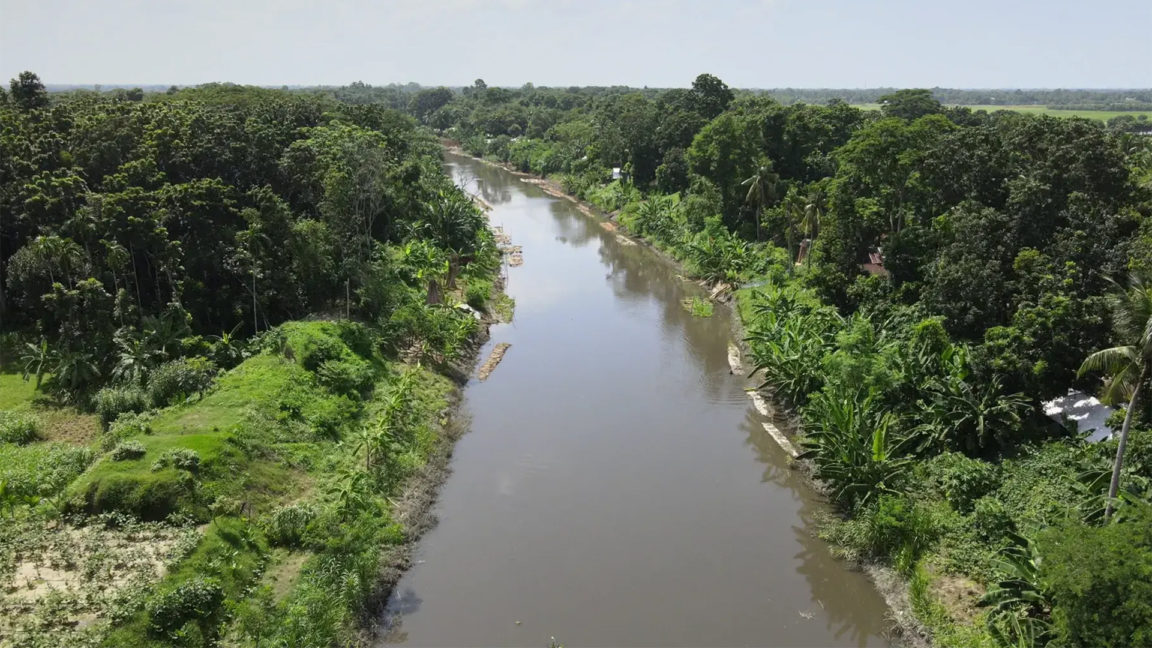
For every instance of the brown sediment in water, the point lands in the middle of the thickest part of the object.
(494, 359)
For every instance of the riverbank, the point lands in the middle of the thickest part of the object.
(894, 589)
(281, 504)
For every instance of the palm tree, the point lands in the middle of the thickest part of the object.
(1128, 366)
(134, 360)
(761, 190)
(810, 223)
(794, 211)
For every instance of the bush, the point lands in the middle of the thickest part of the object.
(350, 376)
(18, 427)
(477, 293)
(436, 329)
(961, 480)
(991, 520)
(326, 416)
(898, 528)
(1100, 581)
(179, 458)
(179, 379)
(126, 426)
(196, 600)
(359, 338)
(318, 350)
(111, 402)
(286, 525)
(127, 450)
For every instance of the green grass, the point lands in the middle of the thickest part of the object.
(253, 384)
(266, 401)
(41, 469)
(697, 306)
(1101, 115)
(133, 486)
(232, 555)
(15, 392)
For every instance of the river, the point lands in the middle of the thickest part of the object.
(617, 488)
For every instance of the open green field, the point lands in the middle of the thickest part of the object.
(1042, 110)
(15, 392)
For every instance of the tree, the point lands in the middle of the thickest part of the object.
(1128, 366)
(28, 92)
(761, 191)
(910, 104)
(710, 95)
(426, 102)
(814, 208)
(726, 152)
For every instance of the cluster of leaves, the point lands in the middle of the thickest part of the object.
(133, 232)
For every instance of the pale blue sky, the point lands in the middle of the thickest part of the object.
(748, 43)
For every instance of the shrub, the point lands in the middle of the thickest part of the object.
(111, 402)
(18, 427)
(179, 458)
(359, 338)
(991, 520)
(127, 450)
(179, 379)
(286, 525)
(326, 416)
(897, 527)
(1099, 581)
(126, 426)
(962, 480)
(317, 350)
(436, 329)
(477, 293)
(350, 376)
(196, 600)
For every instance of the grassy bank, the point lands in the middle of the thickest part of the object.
(263, 511)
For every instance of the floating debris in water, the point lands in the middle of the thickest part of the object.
(493, 359)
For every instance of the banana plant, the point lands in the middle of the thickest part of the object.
(855, 446)
(1020, 610)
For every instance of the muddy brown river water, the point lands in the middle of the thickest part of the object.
(617, 487)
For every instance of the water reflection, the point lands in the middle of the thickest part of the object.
(606, 493)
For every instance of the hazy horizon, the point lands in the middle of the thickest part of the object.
(754, 44)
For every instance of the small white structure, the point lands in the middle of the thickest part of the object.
(616, 173)
(1087, 411)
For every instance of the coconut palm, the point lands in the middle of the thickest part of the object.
(810, 223)
(761, 191)
(1127, 366)
(794, 211)
(134, 359)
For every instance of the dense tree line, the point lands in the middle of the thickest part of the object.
(1131, 99)
(131, 231)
